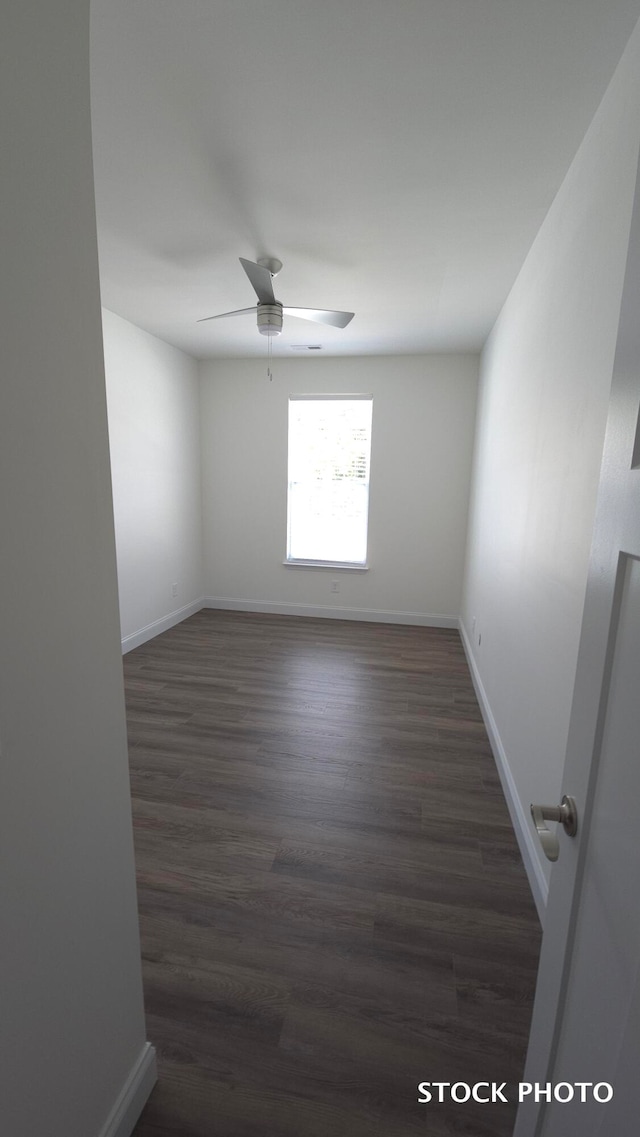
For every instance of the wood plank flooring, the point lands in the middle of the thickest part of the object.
(332, 903)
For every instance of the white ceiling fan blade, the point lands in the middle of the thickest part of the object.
(321, 316)
(260, 278)
(238, 312)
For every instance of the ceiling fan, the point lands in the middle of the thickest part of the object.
(270, 311)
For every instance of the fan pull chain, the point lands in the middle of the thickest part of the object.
(269, 358)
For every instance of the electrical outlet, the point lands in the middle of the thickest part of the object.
(335, 585)
(174, 588)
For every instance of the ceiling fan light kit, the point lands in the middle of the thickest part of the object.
(269, 310)
(270, 319)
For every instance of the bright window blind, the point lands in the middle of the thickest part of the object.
(328, 499)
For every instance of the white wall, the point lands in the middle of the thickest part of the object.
(545, 378)
(72, 1021)
(423, 417)
(154, 436)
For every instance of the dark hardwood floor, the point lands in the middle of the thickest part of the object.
(332, 902)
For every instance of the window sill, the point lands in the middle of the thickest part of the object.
(333, 565)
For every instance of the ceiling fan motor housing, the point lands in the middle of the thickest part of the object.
(270, 319)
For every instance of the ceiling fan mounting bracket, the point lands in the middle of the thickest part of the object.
(271, 263)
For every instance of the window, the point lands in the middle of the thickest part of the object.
(328, 499)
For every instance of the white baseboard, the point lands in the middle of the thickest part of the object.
(131, 1100)
(519, 815)
(158, 626)
(372, 615)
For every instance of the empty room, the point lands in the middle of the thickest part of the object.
(320, 630)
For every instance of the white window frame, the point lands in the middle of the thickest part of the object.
(300, 562)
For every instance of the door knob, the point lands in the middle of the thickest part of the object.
(566, 813)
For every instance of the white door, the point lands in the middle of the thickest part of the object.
(586, 1021)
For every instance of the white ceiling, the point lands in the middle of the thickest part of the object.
(398, 156)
